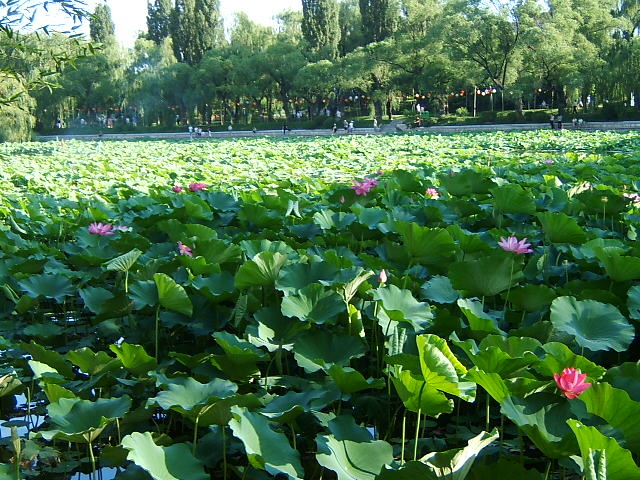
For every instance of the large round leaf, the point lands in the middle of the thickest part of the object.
(266, 449)
(353, 460)
(486, 276)
(48, 286)
(596, 326)
(314, 303)
(175, 462)
(560, 228)
(261, 271)
(512, 198)
(171, 295)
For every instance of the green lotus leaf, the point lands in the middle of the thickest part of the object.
(532, 298)
(350, 381)
(9, 383)
(143, 294)
(123, 263)
(502, 355)
(259, 216)
(439, 290)
(352, 460)
(604, 202)
(426, 246)
(456, 464)
(401, 306)
(285, 408)
(441, 369)
(296, 276)
(217, 252)
(191, 397)
(486, 276)
(49, 357)
(314, 303)
(240, 357)
(512, 198)
(542, 417)
(596, 326)
(503, 468)
(480, 322)
(82, 421)
(558, 357)
(617, 409)
(560, 228)
(328, 219)
(175, 462)
(314, 350)
(219, 412)
(467, 182)
(171, 295)
(619, 268)
(626, 377)
(633, 302)
(492, 383)
(262, 270)
(416, 395)
(273, 330)
(134, 358)
(53, 286)
(602, 457)
(216, 288)
(266, 449)
(95, 297)
(93, 363)
(254, 247)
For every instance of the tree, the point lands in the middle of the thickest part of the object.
(159, 20)
(351, 29)
(196, 26)
(379, 19)
(320, 27)
(490, 39)
(101, 27)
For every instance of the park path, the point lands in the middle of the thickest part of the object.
(395, 126)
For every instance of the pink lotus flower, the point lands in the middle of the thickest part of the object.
(549, 162)
(382, 277)
(571, 382)
(100, 229)
(341, 198)
(184, 250)
(432, 193)
(512, 244)
(196, 187)
(634, 197)
(177, 189)
(361, 188)
(379, 172)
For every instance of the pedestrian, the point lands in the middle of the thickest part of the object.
(559, 120)
(254, 130)
(285, 127)
(229, 128)
(351, 127)
(58, 123)
(375, 124)
(552, 121)
(190, 128)
(345, 125)
(335, 128)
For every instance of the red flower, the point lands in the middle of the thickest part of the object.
(571, 382)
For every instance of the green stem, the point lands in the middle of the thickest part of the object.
(546, 474)
(224, 454)
(404, 436)
(157, 330)
(487, 421)
(126, 281)
(93, 459)
(506, 300)
(195, 436)
(293, 436)
(415, 446)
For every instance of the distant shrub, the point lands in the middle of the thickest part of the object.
(462, 112)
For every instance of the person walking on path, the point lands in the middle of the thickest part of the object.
(375, 124)
(552, 121)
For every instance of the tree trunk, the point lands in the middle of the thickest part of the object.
(518, 105)
(269, 108)
(377, 105)
(562, 99)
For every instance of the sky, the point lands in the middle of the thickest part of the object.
(130, 16)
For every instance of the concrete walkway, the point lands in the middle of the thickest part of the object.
(394, 127)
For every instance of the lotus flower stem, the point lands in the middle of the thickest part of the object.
(91, 456)
(224, 454)
(404, 431)
(293, 437)
(195, 436)
(415, 445)
(506, 299)
(157, 328)
(488, 411)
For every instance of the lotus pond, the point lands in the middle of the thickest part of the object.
(353, 308)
